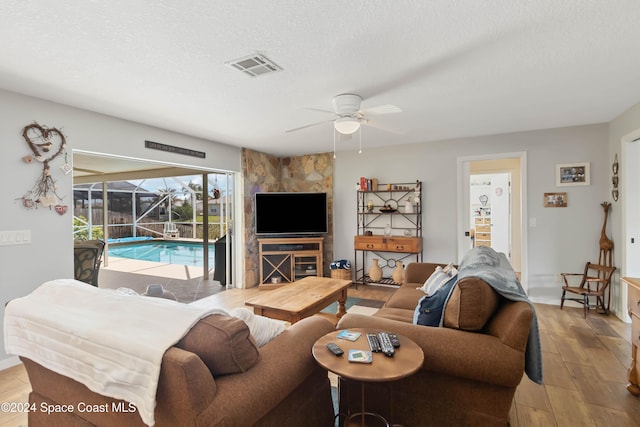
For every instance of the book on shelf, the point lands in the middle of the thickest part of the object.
(368, 184)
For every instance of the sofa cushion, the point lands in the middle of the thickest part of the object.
(428, 312)
(405, 298)
(438, 278)
(471, 305)
(262, 329)
(223, 343)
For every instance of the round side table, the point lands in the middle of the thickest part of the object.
(408, 358)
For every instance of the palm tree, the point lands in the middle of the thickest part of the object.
(197, 188)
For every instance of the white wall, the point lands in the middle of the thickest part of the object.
(50, 255)
(564, 238)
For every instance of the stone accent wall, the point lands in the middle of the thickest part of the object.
(266, 173)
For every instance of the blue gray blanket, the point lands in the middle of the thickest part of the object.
(495, 269)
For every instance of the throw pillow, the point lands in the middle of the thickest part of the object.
(263, 329)
(223, 343)
(471, 305)
(428, 312)
(450, 269)
(438, 278)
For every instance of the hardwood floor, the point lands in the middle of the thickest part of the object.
(585, 369)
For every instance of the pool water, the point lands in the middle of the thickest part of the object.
(181, 253)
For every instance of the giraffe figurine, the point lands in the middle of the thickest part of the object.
(606, 244)
(606, 254)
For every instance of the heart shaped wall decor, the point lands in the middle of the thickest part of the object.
(61, 209)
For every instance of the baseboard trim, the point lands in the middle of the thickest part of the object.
(9, 362)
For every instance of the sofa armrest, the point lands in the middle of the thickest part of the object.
(185, 388)
(511, 324)
(470, 355)
(284, 364)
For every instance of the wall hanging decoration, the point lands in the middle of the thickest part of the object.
(555, 200)
(45, 144)
(571, 174)
(615, 179)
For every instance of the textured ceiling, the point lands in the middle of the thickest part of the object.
(456, 68)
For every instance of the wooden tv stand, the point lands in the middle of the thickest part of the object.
(289, 259)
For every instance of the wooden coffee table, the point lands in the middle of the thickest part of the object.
(302, 298)
(408, 359)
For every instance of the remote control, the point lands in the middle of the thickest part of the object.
(385, 344)
(394, 340)
(333, 348)
(374, 343)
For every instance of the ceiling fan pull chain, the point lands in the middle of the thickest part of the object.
(360, 136)
(334, 143)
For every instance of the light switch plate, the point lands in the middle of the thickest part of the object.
(15, 237)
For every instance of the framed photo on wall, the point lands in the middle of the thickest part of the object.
(572, 174)
(555, 200)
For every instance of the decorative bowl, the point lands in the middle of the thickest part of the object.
(388, 210)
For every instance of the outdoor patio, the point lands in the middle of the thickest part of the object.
(185, 282)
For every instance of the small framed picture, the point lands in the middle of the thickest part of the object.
(571, 174)
(555, 200)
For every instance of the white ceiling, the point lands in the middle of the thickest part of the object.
(456, 68)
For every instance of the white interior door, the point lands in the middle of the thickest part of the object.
(501, 213)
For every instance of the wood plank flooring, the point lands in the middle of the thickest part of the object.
(585, 369)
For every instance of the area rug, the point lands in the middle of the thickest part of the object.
(356, 305)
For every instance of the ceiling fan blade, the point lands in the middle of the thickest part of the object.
(321, 110)
(381, 109)
(384, 128)
(308, 126)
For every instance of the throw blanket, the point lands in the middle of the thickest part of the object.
(109, 341)
(495, 269)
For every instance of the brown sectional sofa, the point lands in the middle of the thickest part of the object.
(215, 376)
(472, 365)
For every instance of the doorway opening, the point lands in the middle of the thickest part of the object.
(184, 214)
(500, 183)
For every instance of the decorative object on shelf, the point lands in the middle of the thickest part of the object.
(370, 206)
(408, 206)
(572, 174)
(387, 209)
(46, 144)
(555, 200)
(387, 230)
(398, 272)
(375, 272)
(614, 179)
(407, 233)
(484, 199)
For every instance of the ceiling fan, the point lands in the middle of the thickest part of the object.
(348, 115)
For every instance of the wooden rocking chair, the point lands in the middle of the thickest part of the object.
(595, 282)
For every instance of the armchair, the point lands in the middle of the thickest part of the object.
(594, 282)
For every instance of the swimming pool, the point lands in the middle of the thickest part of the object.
(181, 253)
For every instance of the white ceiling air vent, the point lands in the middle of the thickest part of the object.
(254, 65)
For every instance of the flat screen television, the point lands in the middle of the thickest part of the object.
(291, 213)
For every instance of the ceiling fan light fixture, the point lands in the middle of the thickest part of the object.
(347, 125)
